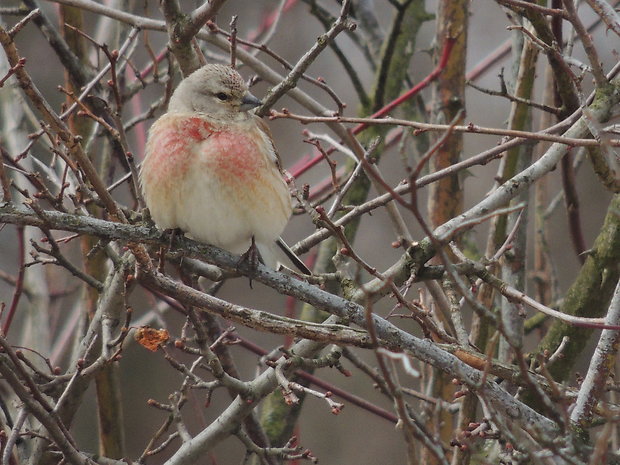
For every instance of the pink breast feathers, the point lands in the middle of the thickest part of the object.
(235, 154)
(173, 141)
(179, 145)
(184, 131)
(195, 128)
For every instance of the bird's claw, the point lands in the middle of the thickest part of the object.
(250, 258)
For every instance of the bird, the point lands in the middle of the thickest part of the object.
(211, 169)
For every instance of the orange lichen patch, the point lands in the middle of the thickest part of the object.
(151, 338)
(472, 360)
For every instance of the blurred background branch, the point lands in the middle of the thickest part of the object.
(438, 311)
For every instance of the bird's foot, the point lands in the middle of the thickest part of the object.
(251, 258)
(171, 234)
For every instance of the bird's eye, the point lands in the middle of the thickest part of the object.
(222, 96)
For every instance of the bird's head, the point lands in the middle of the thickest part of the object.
(215, 90)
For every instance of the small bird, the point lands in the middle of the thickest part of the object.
(212, 171)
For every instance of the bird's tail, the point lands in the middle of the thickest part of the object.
(292, 257)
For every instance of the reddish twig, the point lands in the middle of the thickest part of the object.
(297, 171)
(546, 135)
(155, 60)
(271, 19)
(19, 285)
(443, 61)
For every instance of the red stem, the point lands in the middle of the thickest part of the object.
(149, 68)
(443, 61)
(19, 285)
(298, 170)
(269, 20)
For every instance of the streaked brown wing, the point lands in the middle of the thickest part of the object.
(264, 127)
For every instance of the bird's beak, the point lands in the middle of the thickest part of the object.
(248, 102)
